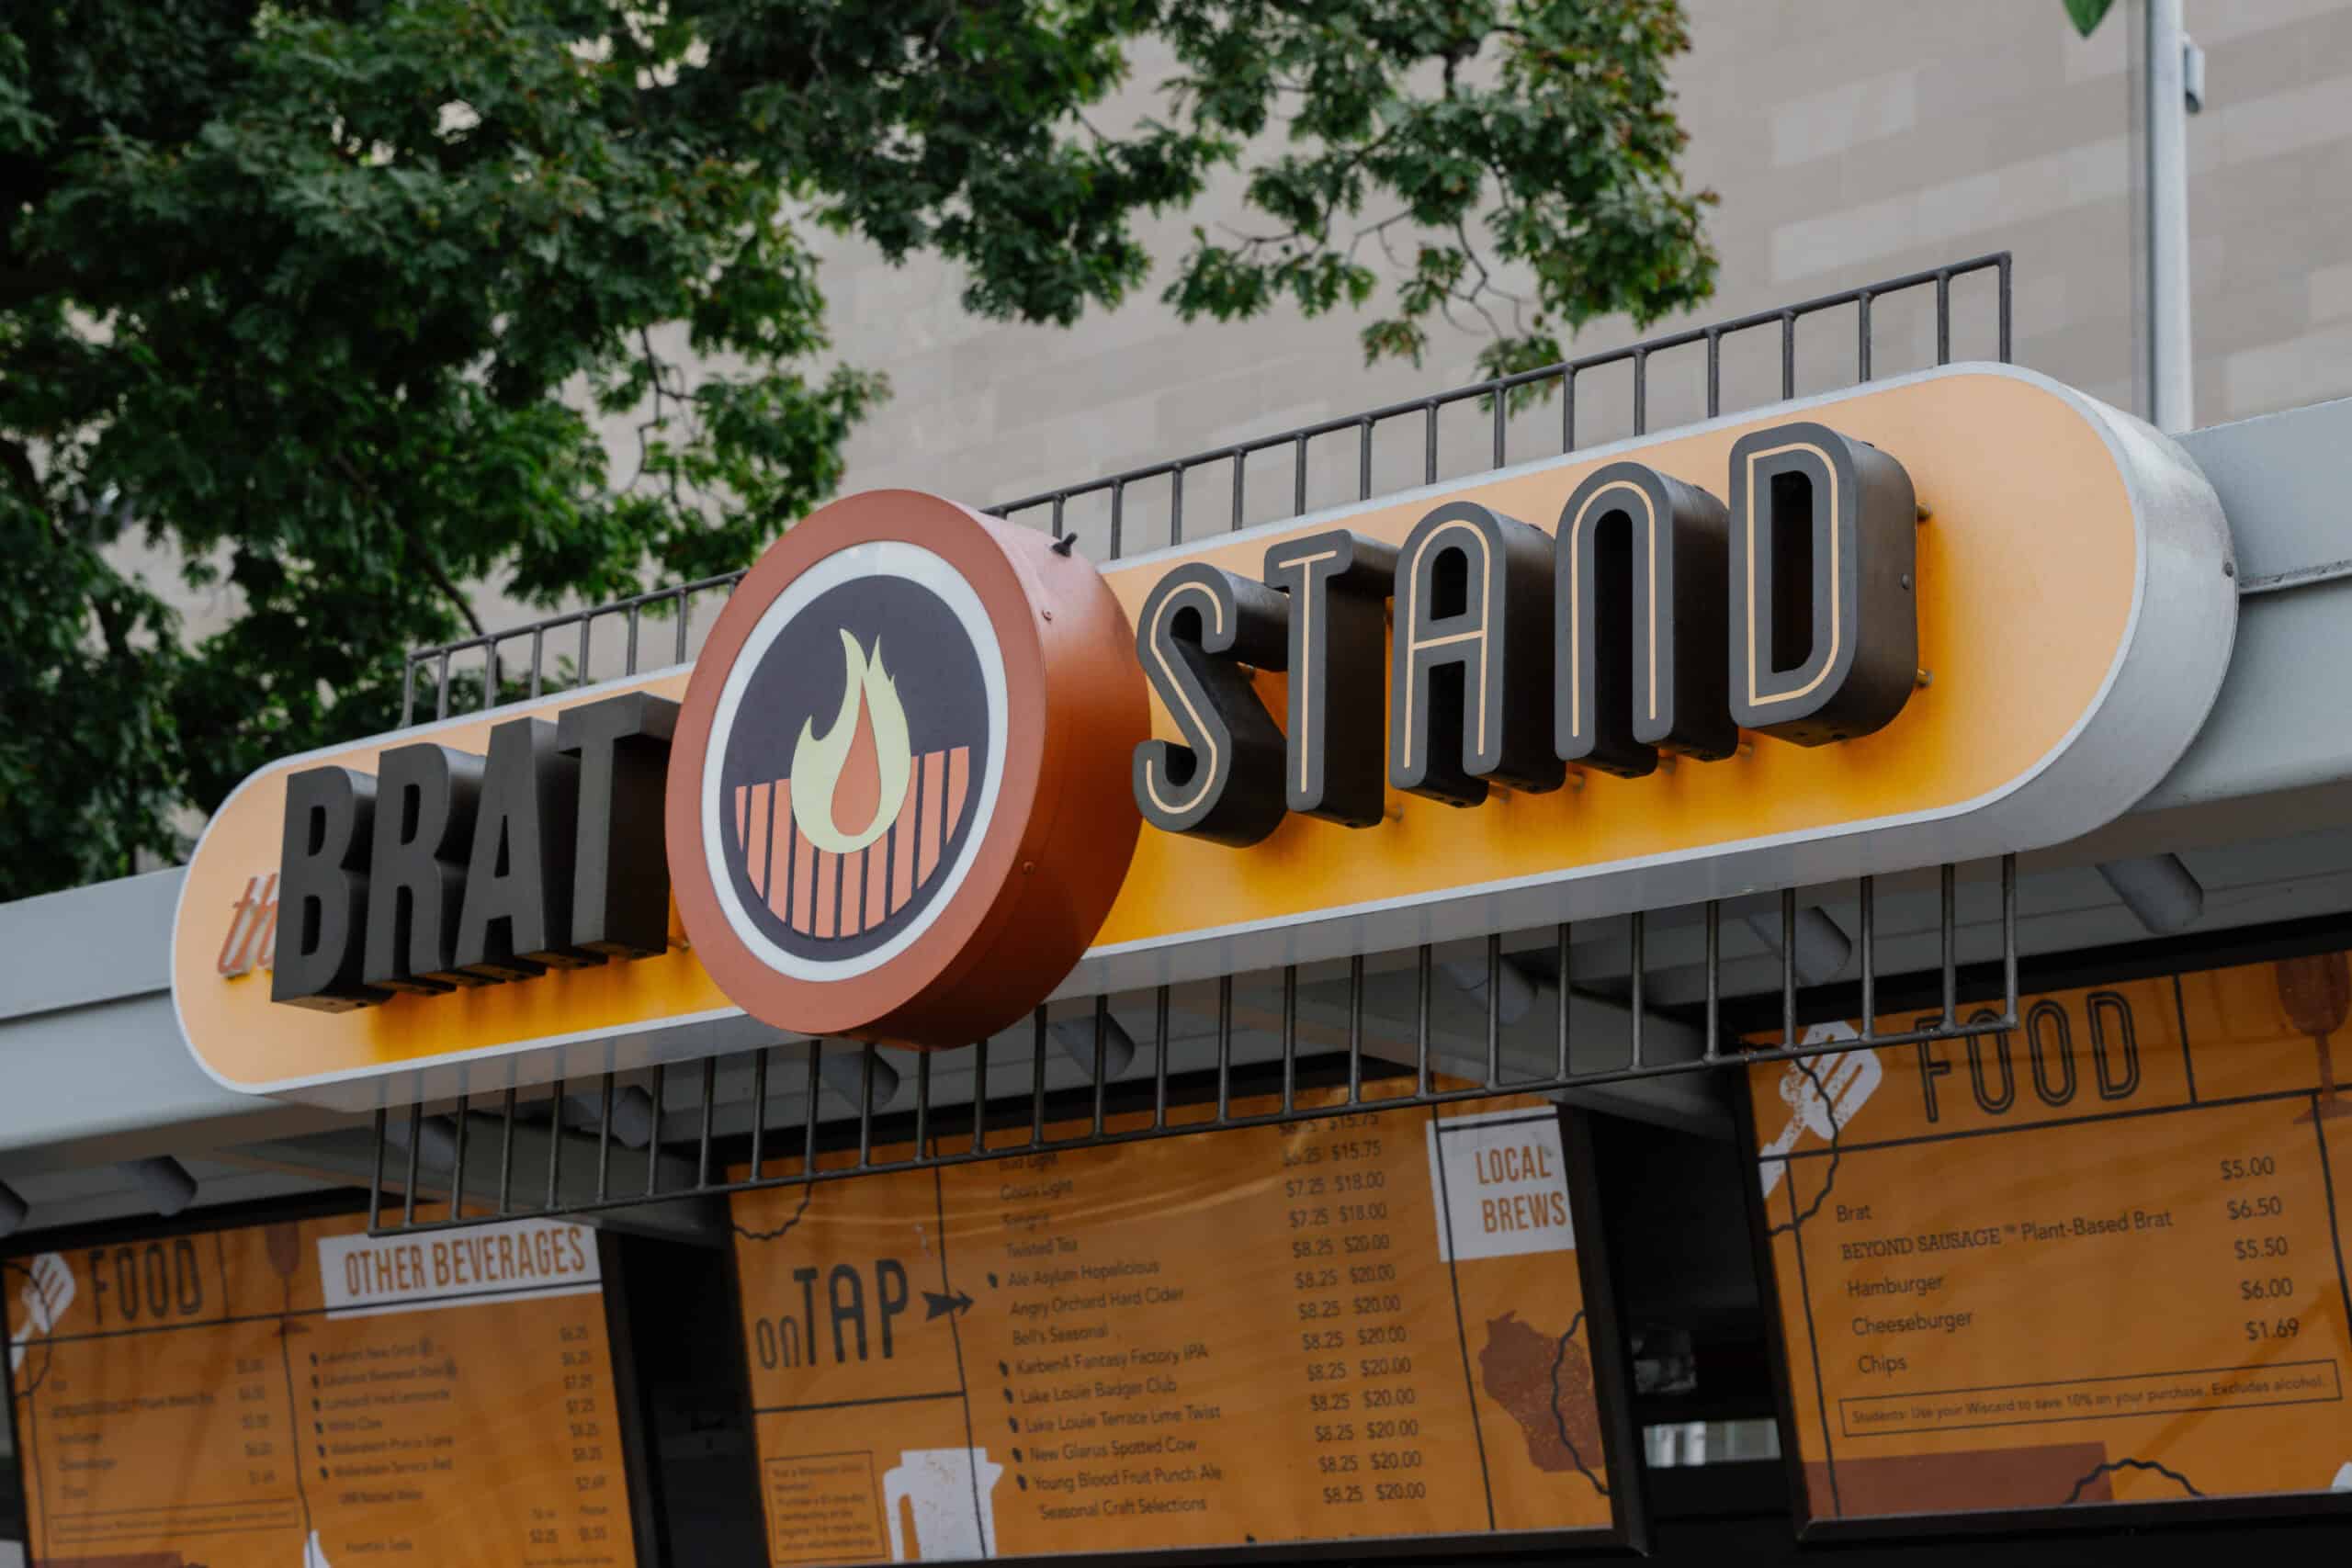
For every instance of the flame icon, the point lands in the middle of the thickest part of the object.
(847, 788)
(861, 825)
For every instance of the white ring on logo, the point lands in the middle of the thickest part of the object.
(879, 557)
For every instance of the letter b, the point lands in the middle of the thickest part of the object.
(323, 890)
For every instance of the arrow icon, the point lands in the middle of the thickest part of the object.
(936, 1304)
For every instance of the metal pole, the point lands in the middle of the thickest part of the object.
(2171, 385)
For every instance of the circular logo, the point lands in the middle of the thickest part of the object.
(897, 804)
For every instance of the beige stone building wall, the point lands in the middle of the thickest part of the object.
(1849, 139)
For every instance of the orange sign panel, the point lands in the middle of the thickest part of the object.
(2009, 742)
(2098, 1259)
(296, 1396)
(1372, 1324)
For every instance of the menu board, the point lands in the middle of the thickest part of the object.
(2097, 1260)
(1368, 1324)
(296, 1396)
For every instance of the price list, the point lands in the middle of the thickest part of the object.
(1364, 1325)
(1356, 1333)
(300, 1393)
(2100, 1261)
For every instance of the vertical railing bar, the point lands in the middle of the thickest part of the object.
(376, 1184)
(1494, 1008)
(1363, 461)
(923, 1105)
(1298, 477)
(1951, 934)
(2004, 305)
(1637, 932)
(1863, 350)
(490, 673)
(1429, 442)
(1421, 1023)
(1101, 1057)
(654, 1138)
(709, 1109)
(759, 1108)
(1118, 516)
(1943, 315)
(1560, 1043)
(538, 656)
(2009, 934)
(408, 717)
(441, 697)
(1038, 1079)
(1059, 503)
(1240, 471)
(1641, 392)
(457, 1159)
(555, 1147)
(415, 1139)
(682, 625)
(808, 1110)
(866, 1057)
(1224, 1049)
(636, 615)
(1159, 1058)
(581, 677)
(1567, 410)
(1788, 354)
(1788, 967)
(1870, 957)
(1501, 403)
(1715, 372)
(506, 1154)
(1355, 1029)
(1290, 1038)
(1176, 504)
(979, 1094)
(604, 1141)
(1714, 960)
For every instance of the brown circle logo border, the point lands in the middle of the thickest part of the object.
(1053, 853)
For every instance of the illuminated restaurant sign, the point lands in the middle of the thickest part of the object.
(900, 796)
(297, 1393)
(2093, 1263)
(1381, 1325)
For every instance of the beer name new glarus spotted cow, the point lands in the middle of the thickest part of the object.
(445, 869)
(1654, 621)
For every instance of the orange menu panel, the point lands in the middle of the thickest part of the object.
(1371, 1324)
(2097, 1260)
(295, 1395)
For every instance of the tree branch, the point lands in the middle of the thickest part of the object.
(449, 589)
(434, 571)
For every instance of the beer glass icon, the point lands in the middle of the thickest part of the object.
(950, 1494)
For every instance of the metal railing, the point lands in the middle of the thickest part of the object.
(574, 631)
(1317, 1045)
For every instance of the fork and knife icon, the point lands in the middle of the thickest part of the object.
(1822, 1093)
(45, 1298)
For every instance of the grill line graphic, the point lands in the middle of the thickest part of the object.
(826, 895)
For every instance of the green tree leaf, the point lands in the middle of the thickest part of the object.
(2087, 15)
(316, 303)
